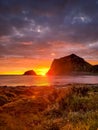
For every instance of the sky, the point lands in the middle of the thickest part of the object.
(34, 32)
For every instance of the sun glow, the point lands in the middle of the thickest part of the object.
(41, 71)
(12, 73)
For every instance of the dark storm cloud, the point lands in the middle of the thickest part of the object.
(14, 6)
(41, 22)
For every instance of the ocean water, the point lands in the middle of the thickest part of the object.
(23, 80)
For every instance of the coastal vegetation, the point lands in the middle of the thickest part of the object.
(65, 107)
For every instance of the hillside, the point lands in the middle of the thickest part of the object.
(71, 64)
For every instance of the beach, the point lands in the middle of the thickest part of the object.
(48, 64)
(58, 107)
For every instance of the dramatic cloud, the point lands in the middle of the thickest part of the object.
(46, 29)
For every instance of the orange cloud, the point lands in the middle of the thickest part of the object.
(93, 62)
(20, 65)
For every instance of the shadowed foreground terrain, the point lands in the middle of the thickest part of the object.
(67, 107)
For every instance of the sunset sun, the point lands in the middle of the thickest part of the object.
(41, 71)
(48, 64)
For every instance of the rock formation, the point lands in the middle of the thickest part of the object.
(30, 72)
(71, 64)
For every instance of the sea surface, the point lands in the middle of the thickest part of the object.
(23, 80)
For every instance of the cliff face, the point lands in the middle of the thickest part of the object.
(95, 68)
(30, 72)
(70, 64)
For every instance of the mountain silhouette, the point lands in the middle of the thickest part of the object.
(95, 68)
(30, 72)
(71, 64)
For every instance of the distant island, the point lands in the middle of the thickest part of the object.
(71, 64)
(30, 72)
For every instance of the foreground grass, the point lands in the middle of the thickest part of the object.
(72, 107)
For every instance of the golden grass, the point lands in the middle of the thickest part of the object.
(52, 108)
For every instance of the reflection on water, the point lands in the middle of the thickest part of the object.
(41, 81)
(45, 80)
(24, 80)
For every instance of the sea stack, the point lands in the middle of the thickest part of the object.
(30, 72)
(71, 64)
